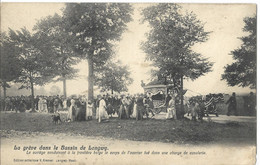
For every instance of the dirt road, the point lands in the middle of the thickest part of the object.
(226, 119)
(219, 119)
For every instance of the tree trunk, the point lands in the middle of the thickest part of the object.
(112, 91)
(90, 79)
(181, 94)
(3, 105)
(32, 97)
(4, 87)
(64, 86)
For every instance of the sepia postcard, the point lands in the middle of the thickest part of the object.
(128, 83)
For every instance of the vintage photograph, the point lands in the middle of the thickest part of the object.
(128, 83)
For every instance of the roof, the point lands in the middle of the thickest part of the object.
(155, 86)
(158, 82)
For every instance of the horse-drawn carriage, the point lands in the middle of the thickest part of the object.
(158, 94)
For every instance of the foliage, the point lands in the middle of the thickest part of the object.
(243, 71)
(9, 63)
(36, 68)
(114, 77)
(170, 40)
(97, 26)
(56, 42)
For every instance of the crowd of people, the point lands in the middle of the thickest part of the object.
(105, 106)
(125, 106)
(80, 108)
(200, 106)
(40, 103)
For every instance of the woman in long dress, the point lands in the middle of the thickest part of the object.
(134, 109)
(64, 104)
(70, 112)
(102, 113)
(44, 105)
(89, 110)
(40, 104)
(171, 110)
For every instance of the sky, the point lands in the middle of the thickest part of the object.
(225, 21)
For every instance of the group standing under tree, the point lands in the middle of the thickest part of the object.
(124, 106)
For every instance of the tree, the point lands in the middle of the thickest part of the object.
(113, 77)
(169, 44)
(243, 71)
(9, 63)
(57, 42)
(97, 26)
(36, 68)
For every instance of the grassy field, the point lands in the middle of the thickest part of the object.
(184, 131)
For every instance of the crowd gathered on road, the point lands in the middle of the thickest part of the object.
(80, 108)
(139, 106)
